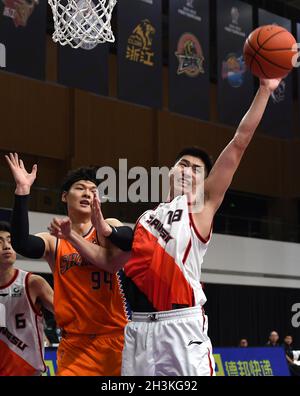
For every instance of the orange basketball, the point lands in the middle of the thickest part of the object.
(268, 51)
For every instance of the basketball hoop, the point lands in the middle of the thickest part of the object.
(82, 23)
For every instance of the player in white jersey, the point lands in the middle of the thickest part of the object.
(168, 331)
(21, 322)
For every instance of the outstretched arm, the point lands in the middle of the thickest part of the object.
(226, 165)
(25, 244)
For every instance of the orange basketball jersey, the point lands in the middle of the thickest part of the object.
(87, 300)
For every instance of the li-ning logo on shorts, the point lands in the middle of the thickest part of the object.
(19, 10)
(190, 56)
(195, 342)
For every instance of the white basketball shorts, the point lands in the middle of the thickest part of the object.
(169, 343)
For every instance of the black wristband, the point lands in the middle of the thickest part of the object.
(122, 237)
(23, 243)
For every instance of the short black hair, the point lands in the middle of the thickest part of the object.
(4, 226)
(197, 152)
(83, 173)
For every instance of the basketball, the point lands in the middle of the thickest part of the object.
(268, 51)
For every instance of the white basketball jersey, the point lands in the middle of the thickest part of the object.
(167, 256)
(22, 336)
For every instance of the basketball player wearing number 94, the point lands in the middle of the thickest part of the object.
(88, 305)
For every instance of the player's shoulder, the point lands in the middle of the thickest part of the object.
(35, 284)
(46, 236)
(114, 222)
(49, 239)
(35, 280)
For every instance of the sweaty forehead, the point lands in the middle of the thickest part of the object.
(192, 160)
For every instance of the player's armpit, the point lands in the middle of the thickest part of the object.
(116, 259)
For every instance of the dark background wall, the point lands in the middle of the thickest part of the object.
(236, 312)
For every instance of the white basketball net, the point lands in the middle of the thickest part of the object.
(82, 23)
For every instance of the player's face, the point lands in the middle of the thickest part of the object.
(188, 174)
(80, 196)
(7, 254)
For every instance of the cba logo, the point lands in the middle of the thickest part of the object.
(139, 46)
(19, 10)
(279, 94)
(233, 69)
(190, 56)
(235, 15)
(190, 3)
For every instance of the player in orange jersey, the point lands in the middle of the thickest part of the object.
(89, 305)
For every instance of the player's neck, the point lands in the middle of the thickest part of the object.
(173, 194)
(80, 219)
(82, 228)
(6, 274)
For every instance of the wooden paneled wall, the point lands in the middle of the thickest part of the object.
(61, 128)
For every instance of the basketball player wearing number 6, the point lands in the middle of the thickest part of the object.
(22, 295)
(88, 303)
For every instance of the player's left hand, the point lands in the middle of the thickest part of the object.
(102, 228)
